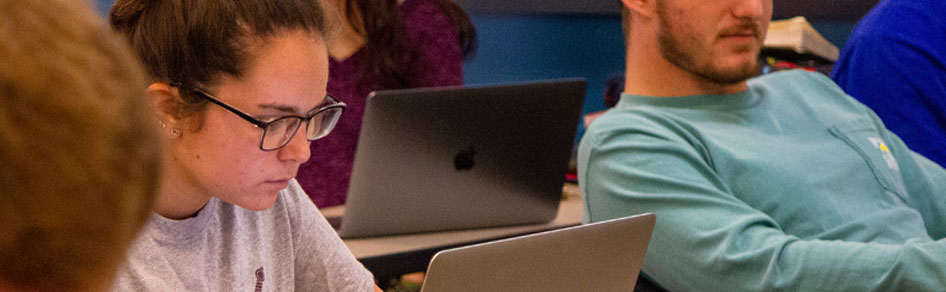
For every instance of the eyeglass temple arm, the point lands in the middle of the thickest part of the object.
(244, 115)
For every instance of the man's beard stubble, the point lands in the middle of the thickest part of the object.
(676, 51)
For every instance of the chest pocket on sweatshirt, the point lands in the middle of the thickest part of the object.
(865, 138)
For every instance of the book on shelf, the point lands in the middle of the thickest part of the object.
(795, 36)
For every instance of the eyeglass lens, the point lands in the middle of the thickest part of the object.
(323, 123)
(279, 132)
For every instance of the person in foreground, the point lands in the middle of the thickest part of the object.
(778, 183)
(239, 88)
(81, 155)
(895, 63)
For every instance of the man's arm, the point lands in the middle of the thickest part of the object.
(706, 239)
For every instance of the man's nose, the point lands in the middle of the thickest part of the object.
(752, 10)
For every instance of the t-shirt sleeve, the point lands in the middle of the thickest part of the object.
(322, 261)
(433, 46)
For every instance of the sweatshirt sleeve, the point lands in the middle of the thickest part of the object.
(706, 239)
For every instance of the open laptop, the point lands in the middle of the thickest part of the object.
(435, 159)
(601, 257)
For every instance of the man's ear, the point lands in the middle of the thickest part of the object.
(642, 7)
(165, 102)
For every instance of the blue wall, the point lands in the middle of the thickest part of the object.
(102, 6)
(520, 48)
(835, 31)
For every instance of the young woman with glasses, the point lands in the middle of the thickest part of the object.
(239, 88)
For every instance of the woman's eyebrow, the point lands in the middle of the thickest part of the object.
(281, 107)
(288, 108)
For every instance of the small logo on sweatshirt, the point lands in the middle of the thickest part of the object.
(259, 279)
(888, 156)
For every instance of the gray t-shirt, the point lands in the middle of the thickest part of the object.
(288, 247)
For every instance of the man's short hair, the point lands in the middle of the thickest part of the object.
(79, 147)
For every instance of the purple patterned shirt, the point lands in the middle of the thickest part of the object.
(433, 58)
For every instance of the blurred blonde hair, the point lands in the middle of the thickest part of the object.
(79, 147)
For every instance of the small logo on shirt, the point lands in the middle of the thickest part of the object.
(888, 156)
(259, 279)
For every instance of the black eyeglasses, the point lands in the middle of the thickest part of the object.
(277, 133)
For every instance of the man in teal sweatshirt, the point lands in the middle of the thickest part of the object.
(780, 182)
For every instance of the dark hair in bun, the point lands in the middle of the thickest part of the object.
(195, 41)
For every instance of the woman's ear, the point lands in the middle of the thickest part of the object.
(165, 101)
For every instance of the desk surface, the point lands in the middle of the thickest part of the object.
(569, 214)
(393, 255)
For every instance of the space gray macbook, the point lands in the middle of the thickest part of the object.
(450, 158)
(601, 257)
